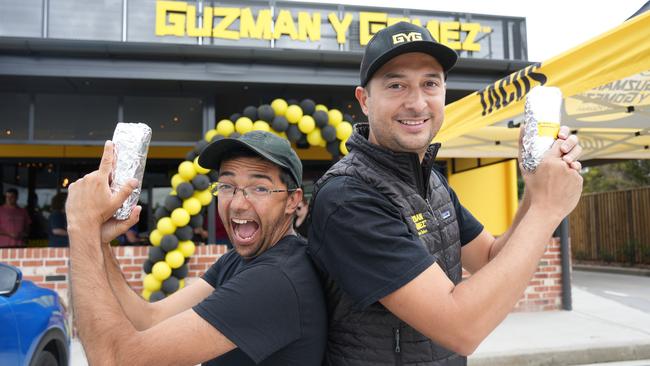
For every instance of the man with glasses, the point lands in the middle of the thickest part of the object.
(260, 303)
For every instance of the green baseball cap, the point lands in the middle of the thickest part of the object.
(265, 144)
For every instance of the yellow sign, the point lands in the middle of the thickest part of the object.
(179, 18)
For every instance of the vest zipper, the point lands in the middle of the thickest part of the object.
(397, 348)
(419, 179)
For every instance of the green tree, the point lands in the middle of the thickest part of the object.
(616, 176)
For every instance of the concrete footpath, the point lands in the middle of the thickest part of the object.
(597, 330)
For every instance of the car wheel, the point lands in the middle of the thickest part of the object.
(45, 358)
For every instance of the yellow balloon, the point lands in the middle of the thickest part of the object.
(261, 126)
(166, 226)
(343, 148)
(173, 192)
(175, 258)
(155, 237)
(150, 283)
(335, 117)
(294, 113)
(243, 125)
(161, 271)
(181, 283)
(199, 169)
(186, 247)
(343, 130)
(320, 107)
(279, 107)
(204, 196)
(225, 127)
(180, 217)
(146, 294)
(283, 135)
(176, 180)
(210, 134)
(306, 124)
(186, 170)
(323, 143)
(192, 205)
(314, 137)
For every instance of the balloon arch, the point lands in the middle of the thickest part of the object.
(305, 124)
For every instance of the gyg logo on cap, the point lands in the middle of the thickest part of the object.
(407, 37)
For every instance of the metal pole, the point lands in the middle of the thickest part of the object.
(565, 251)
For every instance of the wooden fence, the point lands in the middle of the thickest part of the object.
(612, 227)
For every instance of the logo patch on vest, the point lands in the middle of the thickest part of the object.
(420, 223)
(407, 37)
(445, 214)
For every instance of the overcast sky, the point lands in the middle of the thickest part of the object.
(553, 26)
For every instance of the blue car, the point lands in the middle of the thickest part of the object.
(33, 325)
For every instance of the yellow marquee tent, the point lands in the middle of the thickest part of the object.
(606, 85)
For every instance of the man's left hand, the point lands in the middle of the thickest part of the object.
(570, 148)
(90, 201)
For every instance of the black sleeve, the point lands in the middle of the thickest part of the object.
(359, 239)
(257, 310)
(468, 225)
(211, 276)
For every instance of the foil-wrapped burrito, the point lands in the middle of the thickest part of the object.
(542, 113)
(131, 141)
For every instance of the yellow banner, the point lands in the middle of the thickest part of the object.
(614, 55)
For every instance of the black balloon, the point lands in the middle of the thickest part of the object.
(200, 145)
(184, 233)
(293, 133)
(156, 296)
(302, 143)
(156, 254)
(321, 118)
(328, 133)
(196, 221)
(334, 148)
(250, 112)
(292, 101)
(169, 242)
(347, 117)
(308, 106)
(161, 212)
(147, 266)
(191, 155)
(170, 285)
(214, 175)
(180, 272)
(265, 112)
(185, 190)
(172, 202)
(201, 182)
(234, 117)
(280, 123)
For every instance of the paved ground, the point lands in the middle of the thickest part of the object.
(633, 291)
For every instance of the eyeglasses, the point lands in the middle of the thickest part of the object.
(251, 193)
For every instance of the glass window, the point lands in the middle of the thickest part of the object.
(14, 116)
(75, 117)
(83, 19)
(171, 119)
(21, 18)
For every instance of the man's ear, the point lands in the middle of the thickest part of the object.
(362, 96)
(292, 203)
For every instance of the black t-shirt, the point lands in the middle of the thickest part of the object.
(272, 307)
(358, 239)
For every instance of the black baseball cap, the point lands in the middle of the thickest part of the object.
(400, 38)
(265, 144)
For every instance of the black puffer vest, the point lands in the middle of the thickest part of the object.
(374, 336)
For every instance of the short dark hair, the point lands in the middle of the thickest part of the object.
(12, 190)
(58, 201)
(285, 176)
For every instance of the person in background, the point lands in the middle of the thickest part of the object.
(14, 221)
(57, 226)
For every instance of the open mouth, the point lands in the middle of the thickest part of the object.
(244, 229)
(413, 122)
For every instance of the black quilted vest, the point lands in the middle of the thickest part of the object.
(374, 336)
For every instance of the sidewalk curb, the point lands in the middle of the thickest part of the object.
(615, 270)
(566, 356)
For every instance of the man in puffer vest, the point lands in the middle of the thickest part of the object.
(390, 237)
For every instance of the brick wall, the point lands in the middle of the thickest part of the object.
(48, 267)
